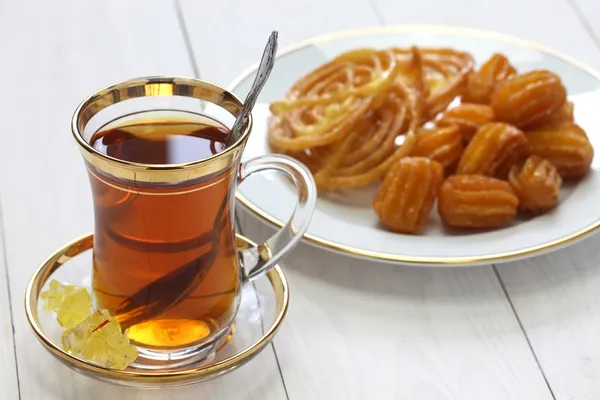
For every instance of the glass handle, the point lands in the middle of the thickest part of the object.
(261, 258)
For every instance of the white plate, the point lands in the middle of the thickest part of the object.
(349, 225)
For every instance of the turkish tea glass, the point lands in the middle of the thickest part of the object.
(165, 260)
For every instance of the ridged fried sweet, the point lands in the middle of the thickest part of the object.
(536, 184)
(407, 194)
(528, 98)
(481, 84)
(565, 145)
(443, 145)
(469, 117)
(563, 114)
(474, 201)
(493, 150)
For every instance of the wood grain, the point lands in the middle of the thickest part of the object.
(53, 55)
(227, 37)
(358, 329)
(589, 14)
(558, 302)
(8, 368)
(552, 24)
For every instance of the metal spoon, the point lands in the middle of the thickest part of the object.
(264, 70)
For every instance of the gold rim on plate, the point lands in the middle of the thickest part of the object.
(191, 374)
(431, 261)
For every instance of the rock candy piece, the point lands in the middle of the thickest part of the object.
(75, 308)
(99, 338)
(71, 303)
(54, 296)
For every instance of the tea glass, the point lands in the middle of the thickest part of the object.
(165, 257)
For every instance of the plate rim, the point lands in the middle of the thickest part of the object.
(413, 260)
(64, 253)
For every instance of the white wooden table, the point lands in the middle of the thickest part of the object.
(356, 330)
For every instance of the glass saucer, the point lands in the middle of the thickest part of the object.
(263, 307)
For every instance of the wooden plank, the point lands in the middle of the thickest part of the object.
(53, 55)
(589, 14)
(554, 25)
(8, 368)
(556, 298)
(358, 329)
(238, 31)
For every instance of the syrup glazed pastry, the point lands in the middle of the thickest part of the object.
(407, 194)
(565, 145)
(482, 83)
(468, 117)
(495, 148)
(373, 116)
(444, 145)
(344, 119)
(536, 184)
(475, 201)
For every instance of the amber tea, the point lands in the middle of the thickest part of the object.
(164, 254)
(165, 259)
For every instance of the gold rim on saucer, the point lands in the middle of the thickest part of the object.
(424, 261)
(190, 374)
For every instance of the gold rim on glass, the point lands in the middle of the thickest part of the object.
(61, 256)
(430, 261)
(158, 86)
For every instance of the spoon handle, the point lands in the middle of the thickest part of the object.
(264, 70)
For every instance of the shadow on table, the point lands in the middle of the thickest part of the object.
(372, 278)
(567, 279)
